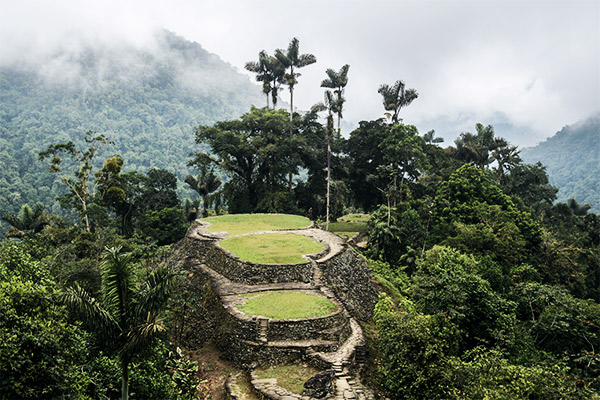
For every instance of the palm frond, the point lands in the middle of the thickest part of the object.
(90, 311)
(154, 293)
(142, 334)
(306, 59)
(116, 282)
(14, 221)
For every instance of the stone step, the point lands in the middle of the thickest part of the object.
(306, 344)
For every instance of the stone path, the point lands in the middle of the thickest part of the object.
(225, 287)
(346, 361)
(347, 386)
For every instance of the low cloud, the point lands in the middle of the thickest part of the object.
(533, 63)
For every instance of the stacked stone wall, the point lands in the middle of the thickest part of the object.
(304, 329)
(236, 270)
(347, 275)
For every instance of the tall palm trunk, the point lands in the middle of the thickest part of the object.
(291, 125)
(124, 380)
(329, 134)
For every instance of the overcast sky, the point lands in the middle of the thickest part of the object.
(526, 67)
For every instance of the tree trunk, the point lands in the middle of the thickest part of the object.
(124, 380)
(402, 180)
(204, 206)
(328, 179)
(85, 216)
(329, 137)
(291, 128)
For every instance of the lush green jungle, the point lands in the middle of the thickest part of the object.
(490, 288)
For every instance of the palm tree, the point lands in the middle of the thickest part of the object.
(29, 221)
(337, 81)
(429, 137)
(206, 183)
(476, 148)
(278, 71)
(128, 316)
(331, 104)
(578, 209)
(190, 209)
(293, 59)
(395, 97)
(263, 71)
(507, 157)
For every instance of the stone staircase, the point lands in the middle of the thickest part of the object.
(263, 329)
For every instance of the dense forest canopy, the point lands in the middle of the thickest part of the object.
(489, 287)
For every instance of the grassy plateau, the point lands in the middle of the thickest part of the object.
(286, 304)
(289, 377)
(355, 218)
(237, 224)
(272, 248)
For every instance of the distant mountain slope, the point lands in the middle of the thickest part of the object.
(147, 100)
(572, 158)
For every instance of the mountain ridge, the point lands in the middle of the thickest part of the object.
(145, 99)
(572, 159)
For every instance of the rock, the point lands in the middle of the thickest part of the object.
(319, 385)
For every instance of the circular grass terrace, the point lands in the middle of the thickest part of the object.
(286, 304)
(272, 248)
(238, 224)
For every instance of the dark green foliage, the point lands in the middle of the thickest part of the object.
(44, 354)
(384, 159)
(415, 349)
(205, 184)
(128, 317)
(478, 148)
(487, 374)
(165, 226)
(449, 282)
(78, 181)
(41, 353)
(474, 215)
(28, 222)
(452, 335)
(530, 184)
(391, 238)
(159, 190)
(395, 97)
(257, 153)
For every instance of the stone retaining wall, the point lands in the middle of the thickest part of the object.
(231, 267)
(304, 329)
(347, 275)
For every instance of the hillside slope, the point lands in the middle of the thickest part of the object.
(145, 99)
(572, 158)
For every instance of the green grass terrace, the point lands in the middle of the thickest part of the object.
(237, 224)
(289, 377)
(272, 248)
(286, 304)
